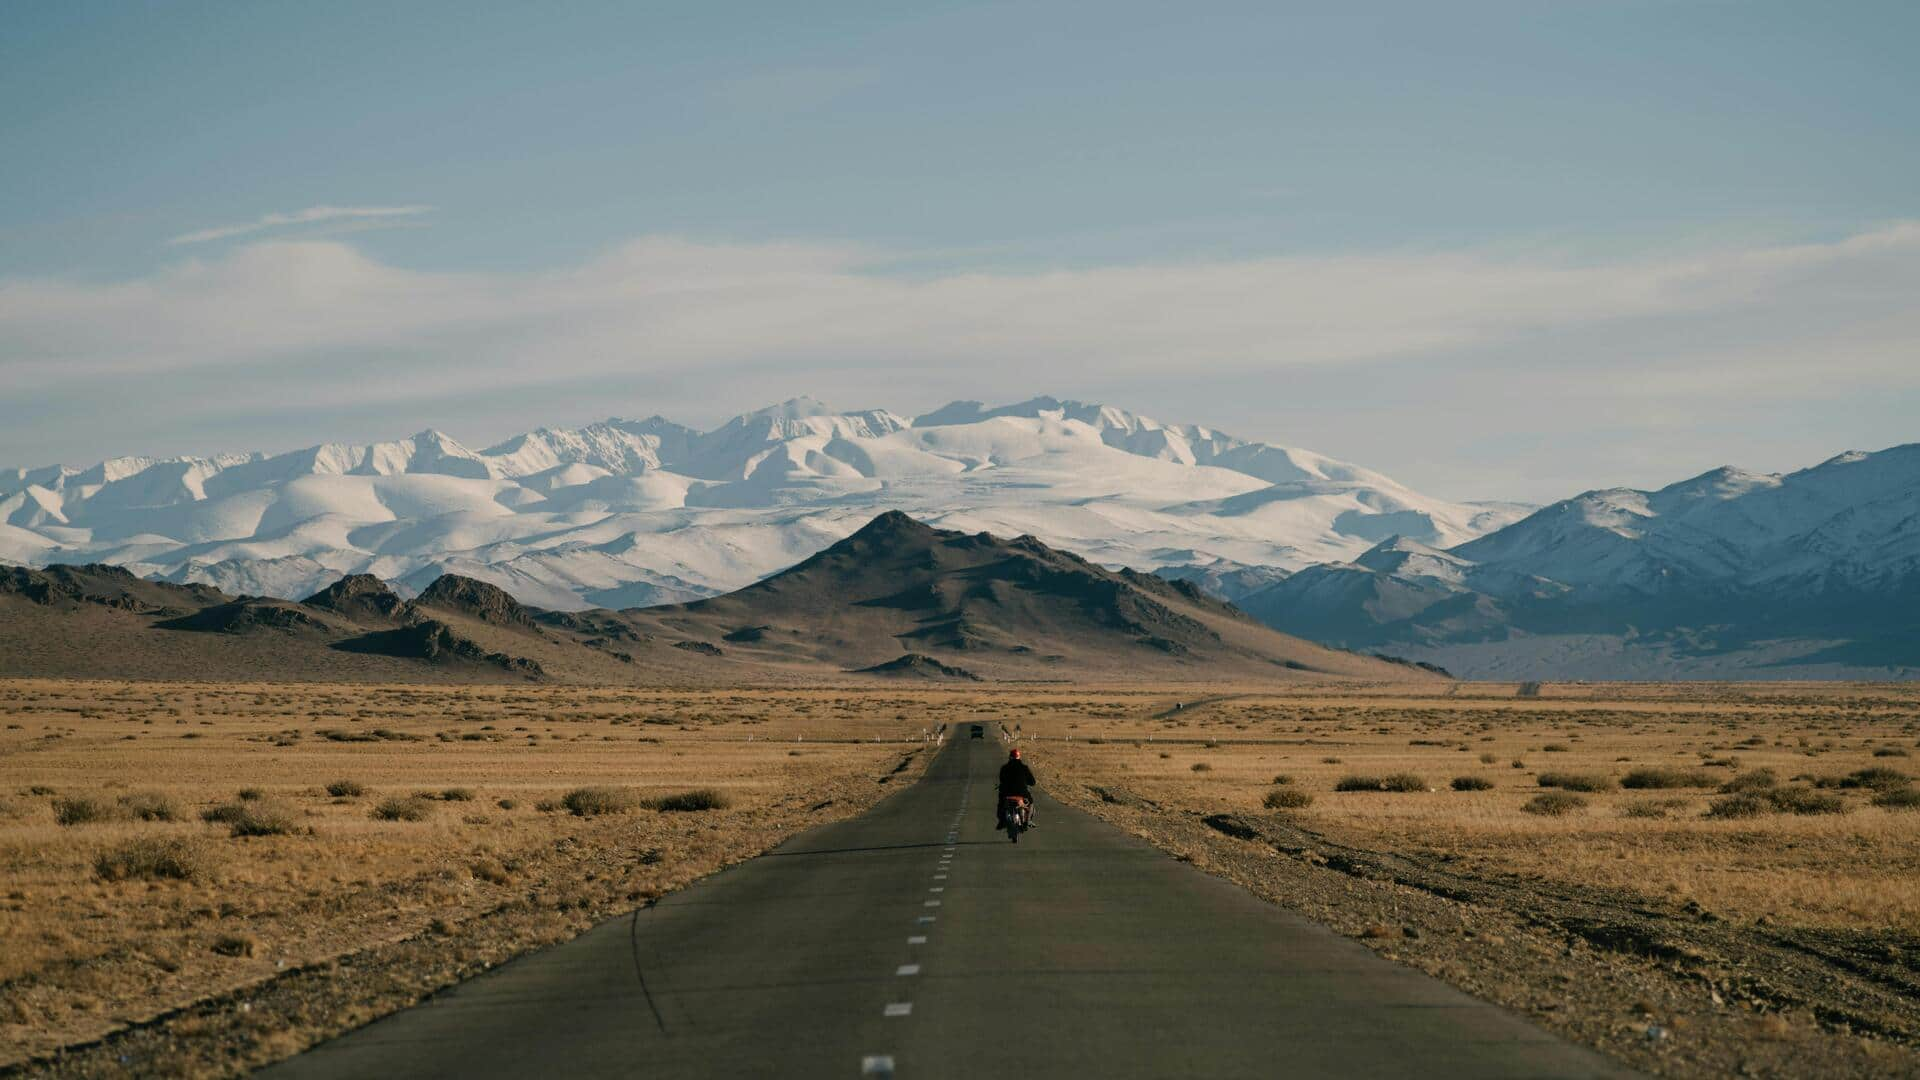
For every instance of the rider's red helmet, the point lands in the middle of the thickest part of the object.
(1014, 753)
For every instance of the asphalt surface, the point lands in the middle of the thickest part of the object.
(915, 941)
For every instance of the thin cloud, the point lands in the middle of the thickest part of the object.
(312, 215)
(1414, 362)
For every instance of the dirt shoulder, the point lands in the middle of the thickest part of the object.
(1667, 990)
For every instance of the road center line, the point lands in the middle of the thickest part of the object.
(917, 939)
(907, 969)
(899, 1008)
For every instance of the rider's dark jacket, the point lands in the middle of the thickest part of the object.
(1016, 779)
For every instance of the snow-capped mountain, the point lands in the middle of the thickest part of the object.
(629, 513)
(1728, 573)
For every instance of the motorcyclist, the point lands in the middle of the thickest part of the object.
(1017, 779)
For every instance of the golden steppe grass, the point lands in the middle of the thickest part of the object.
(488, 767)
(1859, 868)
(84, 955)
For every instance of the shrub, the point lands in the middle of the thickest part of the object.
(1288, 799)
(346, 789)
(399, 808)
(508, 804)
(257, 818)
(1201, 766)
(1472, 783)
(490, 870)
(593, 801)
(249, 794)
(1396, 782)
(80, 810)
(691, 801)
(40, 789)
(1804, 800)
(1656, 779)
(150, 858)
(1575, 781)
(235, 944)
(1889, 751)
(1283, 778)
(149, 806)
(457, 794)
(1878, 778)
(1742, 805)
(1488, 758)
(1556, 748)
(1554, 803)
(1899, 799)
(1757, 780)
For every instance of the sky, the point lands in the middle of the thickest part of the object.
(1495, 250)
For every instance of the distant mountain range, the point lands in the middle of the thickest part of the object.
(896, 600)
(625, 513)
(1813, 574)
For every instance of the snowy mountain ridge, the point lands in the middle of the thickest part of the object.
(633, 512)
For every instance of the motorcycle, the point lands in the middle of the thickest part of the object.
(1015, 812)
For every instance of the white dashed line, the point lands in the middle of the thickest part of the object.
(879, 1065)
(899, 1008)
(938, 888)
(927, 918)
(907, 969)
(932, 903)
(939, 877)
(917, 939)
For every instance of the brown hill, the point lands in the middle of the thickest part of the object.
(362, 598)
(1000, 608)
(477, 600)
(895, 600)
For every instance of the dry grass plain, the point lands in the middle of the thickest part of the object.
(446, 843)
(1731, 884)
(1782, 941)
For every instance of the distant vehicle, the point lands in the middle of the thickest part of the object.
(979, 731)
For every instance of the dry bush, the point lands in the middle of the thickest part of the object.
(1804, 800)
(456, 794)
(402, 808)
(1877, 778)
(1283, 778)
(508, 804)
(346, 789)
(1472, 783)
(594, 801)
(1288, 799)
(1642, 779)
(1570, 781)
(691, 801)
(490, 870)
(1743, 805)
(151, 858)
(149, 806)
(1890, 751)
(237, 945)
(1755, 780)
(1400, 782)
(1201, 766)
(81, 810)
(249, 794)
(258, 817)
(1899, 799)
(1554, 803)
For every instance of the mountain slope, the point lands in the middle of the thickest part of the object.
(1814, 573)
(1003, 608)
(624, 512)
(896, 599)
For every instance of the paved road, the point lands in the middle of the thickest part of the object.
(916, 942)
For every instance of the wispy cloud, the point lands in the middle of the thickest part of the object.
(1539, 372)
(312, 215)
